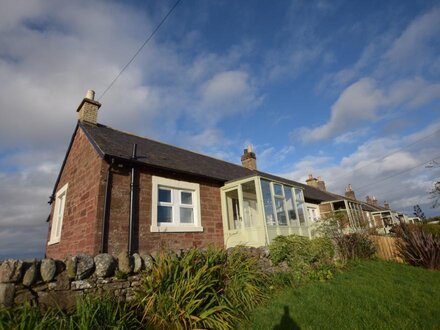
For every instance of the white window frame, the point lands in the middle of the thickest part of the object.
(175, 186)
(58, 215)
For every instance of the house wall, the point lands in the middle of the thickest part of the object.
(325, 209)
(145, 241)
(80, 231)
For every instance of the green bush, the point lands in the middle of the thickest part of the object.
(295, 250)
(355, 246)
(307, 258)
(432, 228)
(209, 289)
(418, 247)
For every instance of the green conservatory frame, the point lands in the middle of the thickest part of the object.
(257, 209)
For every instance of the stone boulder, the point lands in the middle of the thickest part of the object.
(137, 263)
(105, 265)
(7, 292)
(11, 271)
(30, 275)
(70, 263)
(84, 266)
(148, 262)
(125, 263)
(48, 270)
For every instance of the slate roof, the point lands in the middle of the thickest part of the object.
(110, 142)
(114, 143)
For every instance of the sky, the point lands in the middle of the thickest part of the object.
(345, 90)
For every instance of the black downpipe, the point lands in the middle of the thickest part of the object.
(107, 195)
(132, 189)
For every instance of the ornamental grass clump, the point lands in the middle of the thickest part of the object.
(208, 289)
(418, 247)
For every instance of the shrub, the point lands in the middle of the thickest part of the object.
(295, 250)
(434, 229)
(201, 289)
(354, 246)
(418, 247)
(306, 257)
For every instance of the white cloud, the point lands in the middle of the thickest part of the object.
(225, 94)
(368, 170)
(351, 136)
(414, 48)
(365, 102)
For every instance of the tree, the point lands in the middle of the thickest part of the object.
(435, 192)
(419, 213)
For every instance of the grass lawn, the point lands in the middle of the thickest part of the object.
(369, 295)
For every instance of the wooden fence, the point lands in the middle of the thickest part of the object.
(386, 247)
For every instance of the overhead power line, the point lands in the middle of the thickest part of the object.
(140, 49)
(396, 174)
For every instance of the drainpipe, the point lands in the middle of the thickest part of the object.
(108, 187)
(130, 229)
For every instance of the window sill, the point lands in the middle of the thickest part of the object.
(53, 242)
(175, 229)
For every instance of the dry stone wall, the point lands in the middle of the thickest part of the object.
(53, 283)
(57, 283)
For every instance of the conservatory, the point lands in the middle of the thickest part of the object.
(257, 209)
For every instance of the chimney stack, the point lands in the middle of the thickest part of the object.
(386, 205)
(248, 159)
(372, 201)
(349, 193)
(88, 109)
(317, 183)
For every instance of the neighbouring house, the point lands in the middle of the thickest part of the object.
(121, 192)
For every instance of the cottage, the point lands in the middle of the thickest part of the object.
(121, 192)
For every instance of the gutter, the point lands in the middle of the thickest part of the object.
(132, 196)
(105, 215)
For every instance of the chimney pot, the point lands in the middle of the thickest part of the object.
(90, 94)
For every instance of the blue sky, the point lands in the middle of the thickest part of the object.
(321, 87)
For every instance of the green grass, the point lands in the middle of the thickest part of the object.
(369, 295)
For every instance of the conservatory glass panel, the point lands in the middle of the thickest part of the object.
(267, 202)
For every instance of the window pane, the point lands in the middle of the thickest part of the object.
(267, 201)
(164, 195)
(186, 215)
(278, 189)
(186, 197)
(300, 205)
(290, 205)
(299, 194)
(281, 214)
(164, 214)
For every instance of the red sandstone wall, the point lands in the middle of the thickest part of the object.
(81, 222)
(86, 173)
(146, 241)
